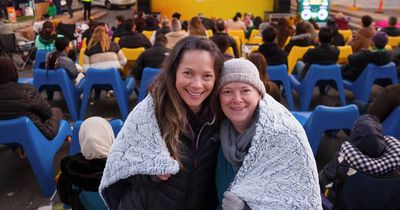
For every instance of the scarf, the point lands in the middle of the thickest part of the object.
(234, 145)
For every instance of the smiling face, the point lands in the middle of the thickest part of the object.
(239, 102)
(195, 78)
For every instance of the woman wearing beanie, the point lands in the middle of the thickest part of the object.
(265, 161)
(166, 153)
(18, 100)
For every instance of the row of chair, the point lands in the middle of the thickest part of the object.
(361, 88)
(101, 79)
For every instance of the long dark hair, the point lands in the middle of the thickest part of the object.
(170, 109)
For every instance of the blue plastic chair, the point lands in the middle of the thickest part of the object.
(43, 79)
(92, 200)
(325, 118)
(40, 57)
(317, 73)
(363, 85)
(106, 78)
(391, 125)
(147, 78)
(39, 150)
(279, 73)
(75, 147)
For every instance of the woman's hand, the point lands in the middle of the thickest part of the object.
(164, 177)
(232, 202)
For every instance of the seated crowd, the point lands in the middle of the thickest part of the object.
(229, 126)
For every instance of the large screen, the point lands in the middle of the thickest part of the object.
(314, 9)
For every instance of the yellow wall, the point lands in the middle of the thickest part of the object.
(225, 9)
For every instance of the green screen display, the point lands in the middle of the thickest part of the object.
(314, 9)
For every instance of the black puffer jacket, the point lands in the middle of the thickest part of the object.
(18, 100)
(192, 188)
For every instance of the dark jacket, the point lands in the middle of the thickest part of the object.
(82, 173)
(324, 54)
(152, 57)
(133, 40)
(18, 100)
(358, 61)
(193, 187)
(337, 39)
(118, 31)
(232, 42)
(385, 102)
(139, 23)
(273, 54)
(301, 40)
(392, 31)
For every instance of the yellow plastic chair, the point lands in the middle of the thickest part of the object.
(287, 42)
(394, 41)
(344, 52)
(238, 33)
(295, 54)
(238, 44)
(131, 55)
(254, 48)
(209, 33)
(84, 43)
(116, 39)
(257, 40)
(388, 47)
(148, 34)
(347, 34)
(230, 51)
(253, 35)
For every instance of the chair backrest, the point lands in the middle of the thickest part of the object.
(254, 48)
(59, 77)
(394, 41)
(238, 44)
(209, 33)
(116, 39)
(148, 34)
(75, 147)
(322, 119)
(295, 54)
(391, 125)
(229, 51)
(347, 34)
(362, 191)
(238, 33)
(147, 78)
(40, 57)
(81, 54)
(92, 200)
(132, 54)
(363, 85)
(344, 52)
(253, 35)
(278, 73)
(8, 43)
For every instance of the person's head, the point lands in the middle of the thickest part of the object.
(367, 135)
(392, 21)
(366, 20)
(325, 35)
(257, 21)
(150, 20)
(166, 23)
(237, 16)
(119, 20)
(283, 22)
(176, 15)
(186, 82)
(196, 27)
(8, 72)
(380, 40)
(100, 36)
(176, 25)
(240, 89)
(268, 35)
(129, 25)
(62, 44)
(220, 25)
(339, 15)
(47, 28)
(95, 137)
(221, 42)
(140, 14)
(301, 28)
(331, 23)
(161, 39)
(259, 61)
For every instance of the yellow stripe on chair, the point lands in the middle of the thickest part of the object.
(344, 52)
(295, 54)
